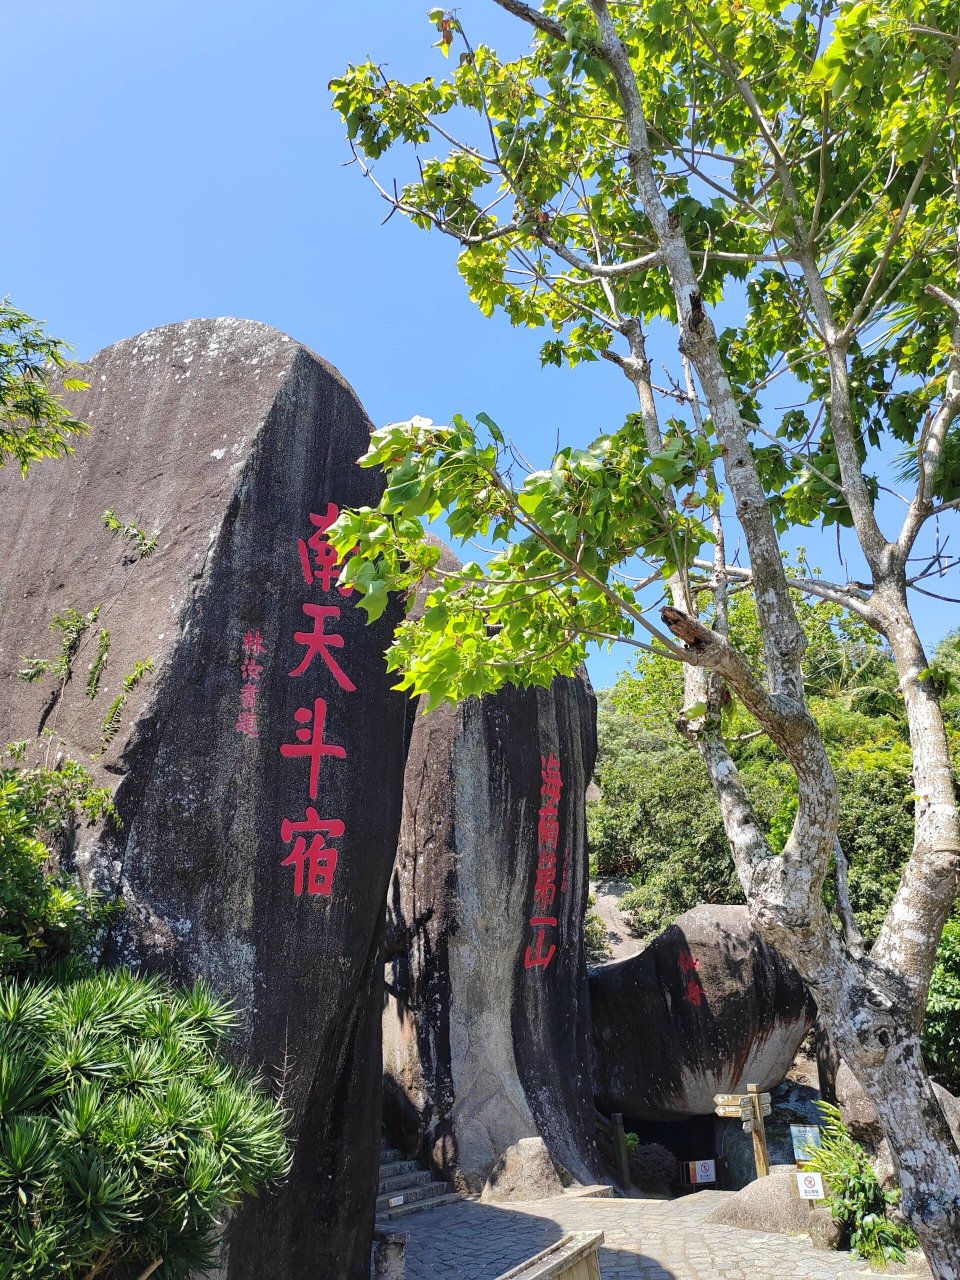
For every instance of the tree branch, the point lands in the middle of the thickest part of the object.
(843, 906)
(850, 595)
(932, 441)
(534, 18)
(783, 639)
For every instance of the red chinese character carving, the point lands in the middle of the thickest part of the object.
(253, 643)
(314, 864)
(548, 829)
(248, 697)
(247, 723)
(694, 993)
(550, 773)
(687, 963)
(546, 889)
(326, 566)
(548, 860)
(535, 956)
(313, 745)
(251, 670)
(318, 641)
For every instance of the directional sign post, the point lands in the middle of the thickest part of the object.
(759, 1131)
(749, 1108)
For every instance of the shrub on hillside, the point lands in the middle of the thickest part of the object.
(44, 915)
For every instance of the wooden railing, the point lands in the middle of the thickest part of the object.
(575, 1257)
(612, 1142)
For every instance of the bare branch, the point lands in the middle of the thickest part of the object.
(534, 18)
(932, 441)
(843, 906)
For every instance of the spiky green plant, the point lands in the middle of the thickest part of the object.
(125, 1136)
(855, 1195)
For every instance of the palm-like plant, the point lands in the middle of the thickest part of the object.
(125, 1136)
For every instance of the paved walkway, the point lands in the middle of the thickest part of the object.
(646, 1239)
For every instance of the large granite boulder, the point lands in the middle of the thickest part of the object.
(706, 1008)
(257, 767)
(486, 1023)
(768, 1204)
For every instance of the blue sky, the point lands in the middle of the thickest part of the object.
(173, 160)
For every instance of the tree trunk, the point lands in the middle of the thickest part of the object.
(908, 941)
(925, 1156)
(869, 1019)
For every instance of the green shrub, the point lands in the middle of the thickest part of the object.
(941, 1033)
(856, 1198)
(652, 1165)
(595, 945)
(125, 1137)
(44, 915)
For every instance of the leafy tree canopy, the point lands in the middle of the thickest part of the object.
(654, 822)
(34, 421)
(843, 127)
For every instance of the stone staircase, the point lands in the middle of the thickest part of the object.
(405, 1187)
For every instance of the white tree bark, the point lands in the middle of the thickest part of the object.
(870, 1003)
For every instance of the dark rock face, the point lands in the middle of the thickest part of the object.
(258, 767)
(486, 1035)
(706, 1008)
(793, 1103)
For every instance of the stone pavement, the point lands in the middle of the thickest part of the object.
(644, 1240)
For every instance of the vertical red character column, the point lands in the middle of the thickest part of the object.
(694, 992)
(313, 860)
(251, 669)
(541, 951)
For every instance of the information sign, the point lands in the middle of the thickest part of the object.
(703, 1171)
(810, 1186)
(805, 1137)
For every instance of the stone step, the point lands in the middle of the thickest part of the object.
(396, 1168)
(390, 1155)
(426, 1191)
(389, 1215)
(412, 1178)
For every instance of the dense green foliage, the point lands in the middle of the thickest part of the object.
(800, 149)
(44, 915)
(856, 1198)
(596, 949)
(941, 1037)
(124, 1136)
(34, 422)
(656, 821)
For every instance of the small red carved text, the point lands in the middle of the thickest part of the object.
(251, 669)
(693, 992)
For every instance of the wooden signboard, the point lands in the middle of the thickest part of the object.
(749, 1108)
